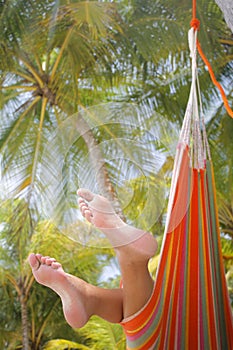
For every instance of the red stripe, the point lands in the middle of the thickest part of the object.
(193, 268)
(177, 281)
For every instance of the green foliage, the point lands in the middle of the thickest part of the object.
(229, 278)
(61, 344)
(103, 335)
(44, 306)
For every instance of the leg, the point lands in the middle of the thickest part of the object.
(80, 300)
(133, 247)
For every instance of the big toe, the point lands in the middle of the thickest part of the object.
(33, 261)
(86, 194)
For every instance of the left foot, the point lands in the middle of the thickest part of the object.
(71, 289)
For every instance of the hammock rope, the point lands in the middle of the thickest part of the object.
(195, 23)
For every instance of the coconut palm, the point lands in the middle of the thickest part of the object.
(41, 76)
(72, 48)
(227, 11)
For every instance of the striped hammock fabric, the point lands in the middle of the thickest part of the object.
(196, 312)
(190, 306)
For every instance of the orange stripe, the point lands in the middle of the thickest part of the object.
(169, 289)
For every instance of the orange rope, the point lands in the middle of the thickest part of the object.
(195, 23)
(214, 80)
(194, 8)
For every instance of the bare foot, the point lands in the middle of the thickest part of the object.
(99, 211)
(71, 289)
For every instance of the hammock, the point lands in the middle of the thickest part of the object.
(191, 307)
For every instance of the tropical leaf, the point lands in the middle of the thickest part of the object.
(62, 344)
(103, 335)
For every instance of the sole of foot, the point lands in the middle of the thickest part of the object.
(72, 291)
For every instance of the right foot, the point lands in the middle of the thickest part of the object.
(71, 289)
(98, 210)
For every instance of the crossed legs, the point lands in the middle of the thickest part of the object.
(80, 299)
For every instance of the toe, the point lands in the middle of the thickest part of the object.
(83, 206)
(81, 201)
(88, 215)
(86, 194)
(39, 256)
(34, 262)
(44, 258)
(49, 261)
(55, 265)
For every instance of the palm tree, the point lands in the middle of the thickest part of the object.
(227, 11)
(73, 47)
(44, 78)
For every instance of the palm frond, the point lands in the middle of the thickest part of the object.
(112, 336)
(62, 344)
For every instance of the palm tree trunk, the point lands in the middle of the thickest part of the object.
(227, 8)
(24, 318)
(99, 165)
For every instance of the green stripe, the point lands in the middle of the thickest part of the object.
(209, 198)
(219, 298)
